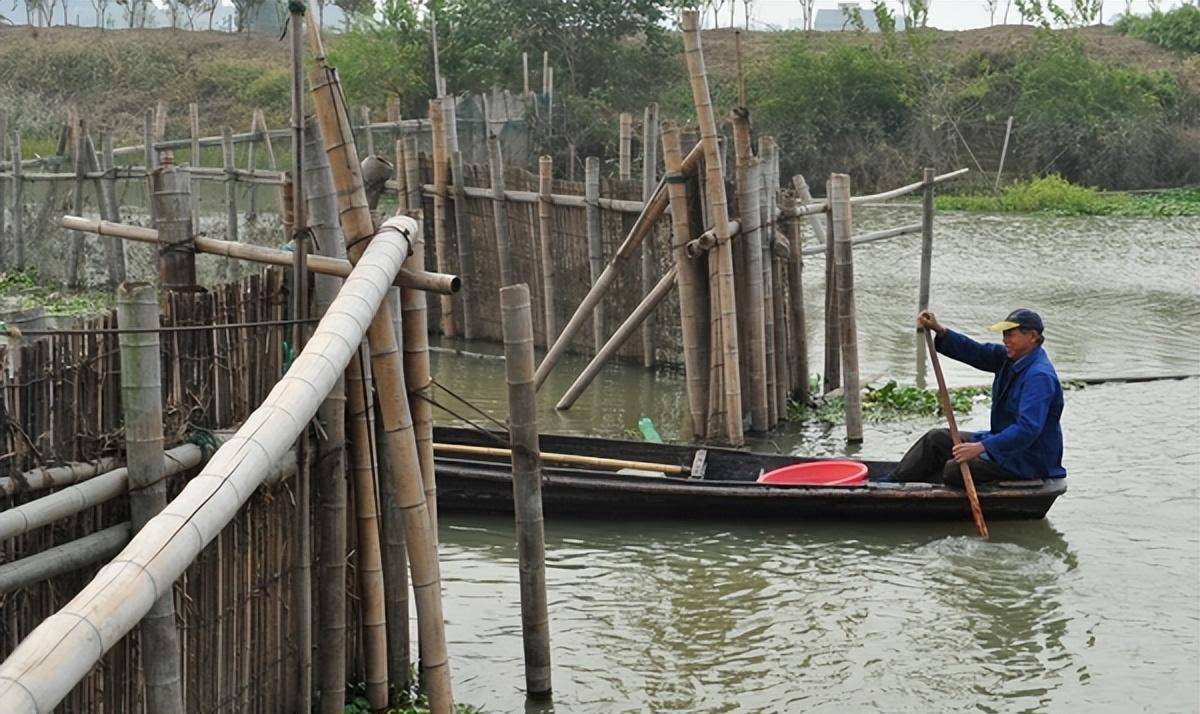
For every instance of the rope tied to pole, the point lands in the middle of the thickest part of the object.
(417, 392)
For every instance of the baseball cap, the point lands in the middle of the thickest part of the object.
(1021, 317)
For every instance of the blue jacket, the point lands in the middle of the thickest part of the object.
(1027, 403)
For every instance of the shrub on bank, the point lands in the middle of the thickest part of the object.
(1054, 194)
(1177, 30)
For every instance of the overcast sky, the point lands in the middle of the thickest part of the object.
(945, 14)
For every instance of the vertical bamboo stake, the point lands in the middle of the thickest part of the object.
(401, 177)
(106, 200)
(3, 206)
(462, 232)
(370, 563)
(141, 398)
(172, 202)
(776, 242)
(926, 265)
(440, 236)
(150, 156)
(591, 197)
(368, 135)
(419, 377)
(833, 348)
(160, 120)
(525, 73)
(500, 210)
(649, 260)
(231, 214)
(550, 101)
(194, 127)
(546, 231)
(18, 203)
(412, 174)
(693, 313)
(75, 256)
(399, 439)
(329, 472)
(798, 321)
(517, 324)
(545, 72)
(766, 208)
(840, 218)
(693, 53)
(748, 175)
(625, 128)
(251, 164)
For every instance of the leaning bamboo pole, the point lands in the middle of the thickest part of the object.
(400, 441)
(656, 295)
(440, 283)
(441, 236)
(106, 202)
(693, 312)
(720, 218)
(651, 211)
(649, 260)
(546, 242)
(141, 401)
(517, 326)
(329, 468)
(840, 219)
(748, 182)
(65, 558)
(591, 195)
(75, 254)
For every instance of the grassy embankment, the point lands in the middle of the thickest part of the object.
(1055, 195)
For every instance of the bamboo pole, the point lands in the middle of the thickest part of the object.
(418, 376)
(194, 126)
(150, 155)
(18, 203)
(412, 174)
(798, 318)
(368, 135)
(401, 177)
(172, 201)
(651, 211)
(517, 325)
(231, 211)
(649, 260)
(329, 474)
(752, 292)
(319, 264)
(525, 73)
(624, 148)
(65, 558)
(693, 312)
(550, 101)
(777, 252)
(251, 164)
(656, 295)
(840, 219)
(64, 647)
(75, 255)
(767, 250)
(546, 233)
(693, 53)
(106, 201)
(575, 459)
(500, 210)
(462, 229)
(43, 478)
(591, 194)
(441, 236)
(3, 205)
(399, 442)
(160, 120)
(141, 400)
(927, 263)
(833, 347)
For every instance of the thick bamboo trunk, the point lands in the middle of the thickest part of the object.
(546, 233)
(591, 195)
(329, 469)
(693, 283)
(840, 219)
(517, 324)
(649, 260)
(420, 379)
(772, 322)
(720, 217)
(141, 400)
(400, 441)
(500, 211)
(748, 181)
(441, 236)
(172, 200)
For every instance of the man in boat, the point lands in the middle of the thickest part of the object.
(1025, 440)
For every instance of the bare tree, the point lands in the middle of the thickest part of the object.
(990, 6)
(748, 5)
(101, 8)
(807, 7)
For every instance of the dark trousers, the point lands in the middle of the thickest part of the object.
(931, 460)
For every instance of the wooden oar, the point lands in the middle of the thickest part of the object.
(564, 458)
(944, 395)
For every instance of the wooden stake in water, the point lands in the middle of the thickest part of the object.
(546, 231)
(517, 324)
(591, 197)
(840, 219)
(649, 260)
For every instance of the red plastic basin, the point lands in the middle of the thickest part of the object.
(833, 473)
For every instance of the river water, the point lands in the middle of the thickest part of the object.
(1095, 608)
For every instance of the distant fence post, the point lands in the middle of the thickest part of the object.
(141, 399)
(517, 325)
(926, 267)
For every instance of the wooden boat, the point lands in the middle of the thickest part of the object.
(713, 483)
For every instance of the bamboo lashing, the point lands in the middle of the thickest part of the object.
(673, 469)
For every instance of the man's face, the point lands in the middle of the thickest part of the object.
(1019, 342)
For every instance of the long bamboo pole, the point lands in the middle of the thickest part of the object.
(141, 400)
(18, 203)
(840, 219)
(64, 558)
(517, 325)
(420, 379)
(720, 218)
(412, 174)
(591, 194)
(400, 441)
(3, 205)
(651, 211)
(500, 210)
(927, 262)
(462, 231)
(41, 671)
(779, 253)
(766, 207)
(441, 236)
(656, 295)
(833, 347)
(106, 202)
(43, 478)
(75, 255)
(798, 318)
(649, 260)
(624, 147)
(546, 234)
(748, 173)
(329, 469)
(231, 210)
(320, 264)
(693, 297)
(575, 459)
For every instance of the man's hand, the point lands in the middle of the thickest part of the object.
(967, 450)
(926, 320)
